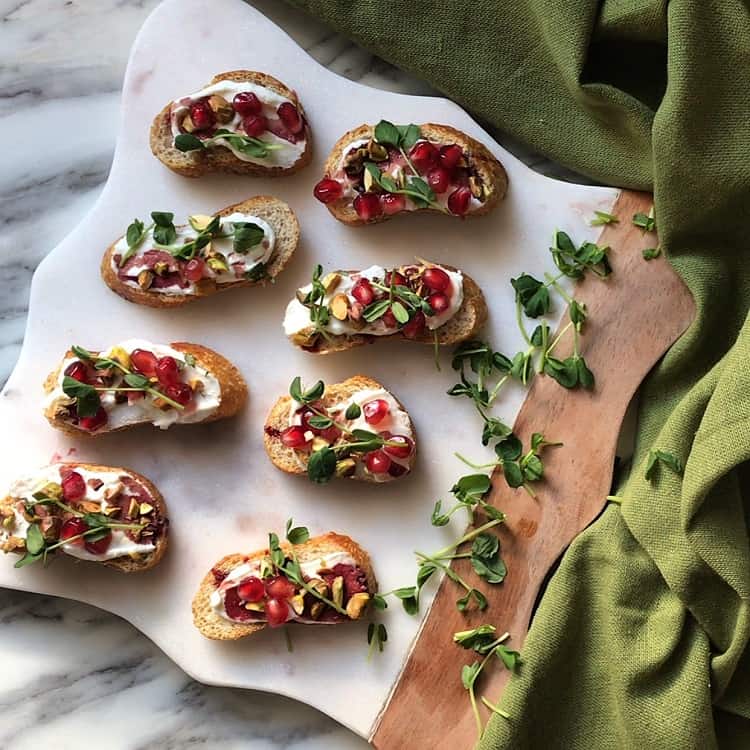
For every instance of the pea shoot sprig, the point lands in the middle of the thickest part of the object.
(483, 641)
(245, 144)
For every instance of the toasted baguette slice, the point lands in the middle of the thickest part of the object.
(212, 625)
(271, 210)
(232, 395)
(295, 461)
(464, 325)
(220, 159)
(139, 488)
(481, 163)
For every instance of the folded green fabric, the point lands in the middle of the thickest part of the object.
(641, 638)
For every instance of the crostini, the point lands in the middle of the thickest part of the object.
(354, 429)
(243, 122)
(325, 580)
(137, 382)
(102, 514)
(163, 265)
(423, 302)
(376, 172)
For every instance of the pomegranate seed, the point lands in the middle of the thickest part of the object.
(294, 437)
(279, 587)
(438, 302)
(182, 393)
(202, 115)
(246, 104)
(277, 612)
(100, 546)
(415, 327)
(144, 362)
(255, 125)
(393, 204)
(423, 156)
(77, 371)
(402, 450)
(73, 486)
(437, 280)
(289, 115)
(234, 606)
(439, 179)
(93, 423)
(331, 434)
(394, 277)
(375, 411)
(194, 269)
(363, 292)
(450, 156)
(328, 190)
(397, 470)
(167, 371)
(378, 462)
(73, 527)
(389, 319)
(251, 590)
(367, 206)
(458, 201)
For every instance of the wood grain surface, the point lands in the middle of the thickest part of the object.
(634, 317)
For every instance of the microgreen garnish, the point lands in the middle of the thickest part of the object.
(413, 186)
(320, 315)
(398, 136)
(657, 457)
(164, 230)
(650, 253)
(246, 235)
(575, 261)
(646, 222)
(377, 635)
(245, 144)
(482, 640)
(601, 218)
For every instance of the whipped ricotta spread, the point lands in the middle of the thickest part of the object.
(297, 316)
(205, 401)
(309, 568)
(285, 156)
(24, 489)
(238, 264)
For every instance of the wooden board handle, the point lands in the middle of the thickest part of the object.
(634, 317)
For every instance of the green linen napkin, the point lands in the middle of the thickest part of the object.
(640, 640)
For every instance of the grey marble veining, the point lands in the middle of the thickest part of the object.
(73, 674)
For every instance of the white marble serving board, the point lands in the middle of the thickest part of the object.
(223, 494)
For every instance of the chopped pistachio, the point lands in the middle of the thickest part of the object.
(331, 281)
(145, 279)
(340, 307)
(146, 508)
(345, 467)
(187, 123)
(337, 590)
(200, 221)
(9, 522)
(298, 603)
(319, 443)
(221, 108)
(356, 605)
(217, 263)
(255, 606)
(119, 355)
(160, 268)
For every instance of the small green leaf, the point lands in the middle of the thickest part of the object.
(603, 218)
(376, 310)
(485, 545)
(86, 396)
(353, 411)
(513, 474)
(469, 674)
(585, 376)
(379, 602)
(321, 466)
(438, 518)
(34, 539)
(320, 422)
(134, 234)
(81, 353)
(424, 573)
(651, 252)
(645, 221)
(186, 142)
(246, 236)
(295, 389)
(314, 393)
(532, 294)
(511, 659)
(399, 312)
(387, 133)
(509, 448)
(134, 380)
(296, 534)
(408, 597)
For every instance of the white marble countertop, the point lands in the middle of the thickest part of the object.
(71, 672)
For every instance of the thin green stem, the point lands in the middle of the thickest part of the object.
(519, 320)
(468, 537)
(495, 709)
(556, 340)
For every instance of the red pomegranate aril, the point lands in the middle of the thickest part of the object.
(94, 423)
(402, 450)
(182, 393)
(289, 115)
(202, 115)
(397, 470)
(251, 590)
(375, 411)
(255, 125)
(389, 319)
(367, 206)
(459, 200)
(78, 371)
(415, 327)
(100, 546)
(71, 528)
(277, 612)
(392, 203)
(279, 587)
(194, 269)
(331, 434)
(73, 487)
(437, 280)
(246, 103)
(294, 436)
(363, 292)
(438, 302)
(439, 179)
(394, 277)
(424, 156)
(167, 371)
(328, 190)
(450, 156)
(144, 362)
(378, 462)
